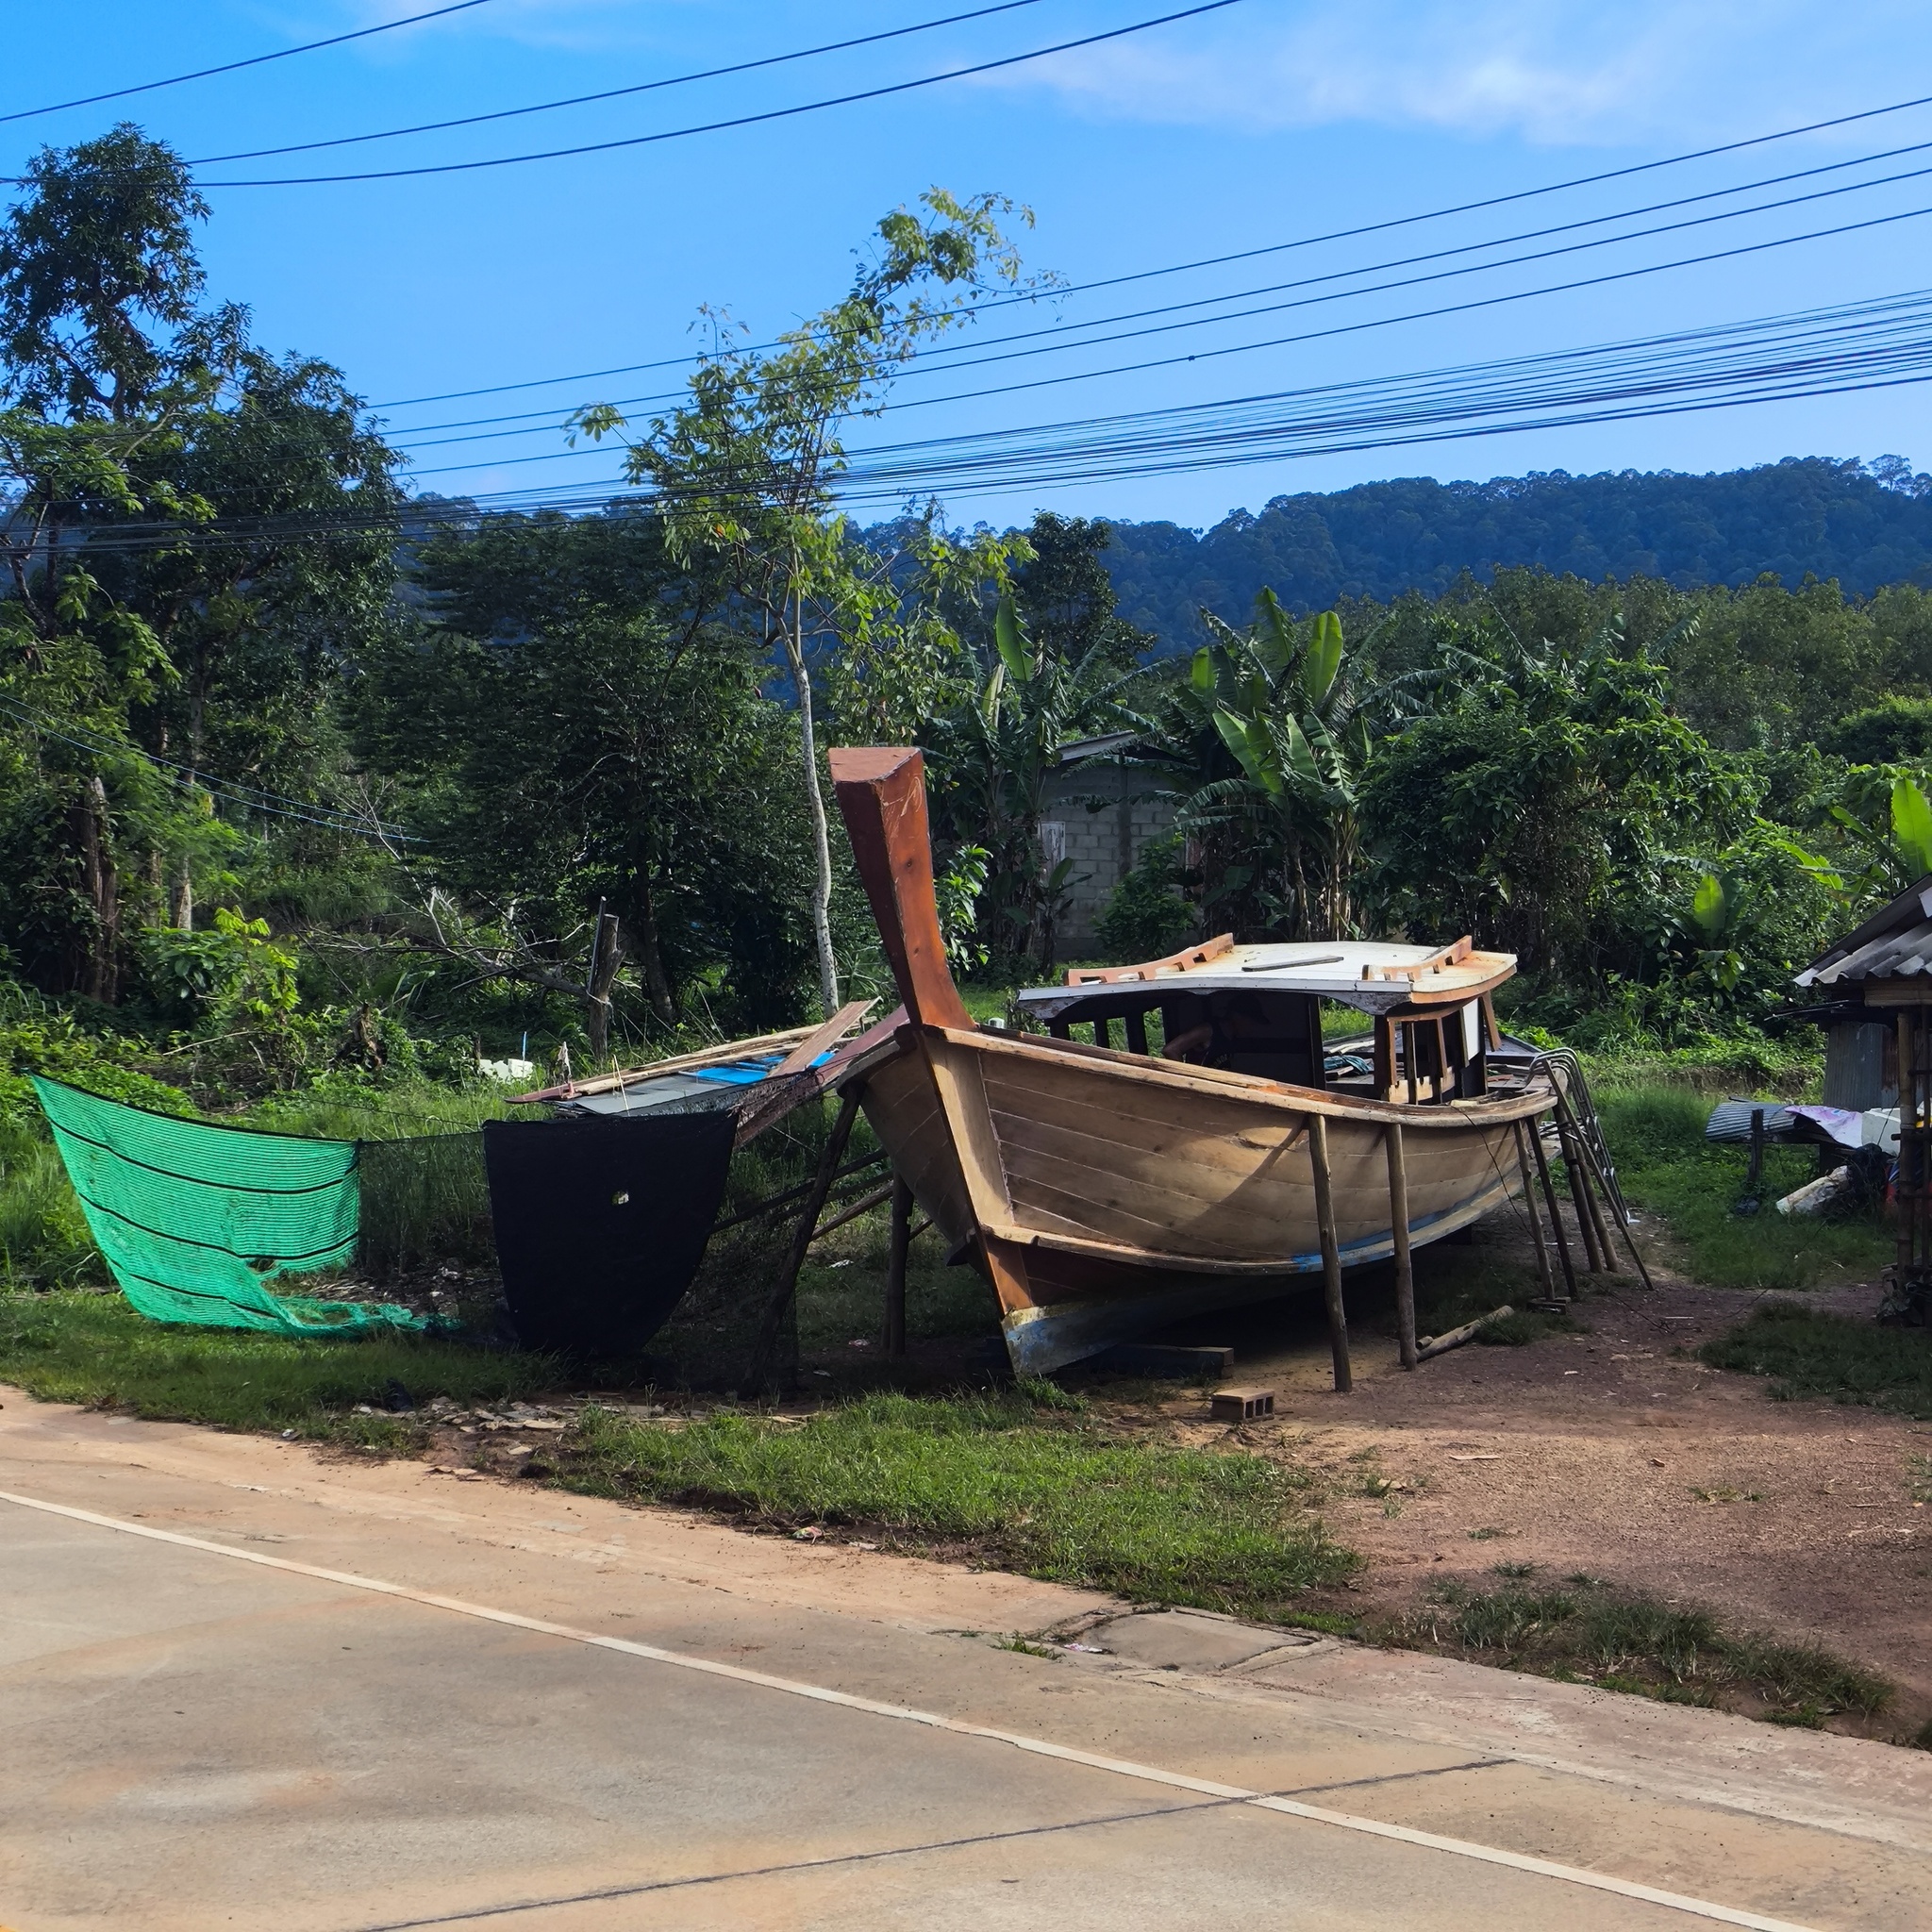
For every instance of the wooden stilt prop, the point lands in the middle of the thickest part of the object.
(1331, 1252)
(895, 1271)
(808, 1226)
(1581, 1202)
(1536, 1219)
(1534, 1129)
(1398, 1228)
(1611, 1208)
(1596, 1197)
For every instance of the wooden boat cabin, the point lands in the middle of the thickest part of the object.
(1259, 1009)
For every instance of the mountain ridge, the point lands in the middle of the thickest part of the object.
(1864, 524)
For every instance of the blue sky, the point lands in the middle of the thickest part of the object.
(1269, 121)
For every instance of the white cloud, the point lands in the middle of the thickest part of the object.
(1551, 72)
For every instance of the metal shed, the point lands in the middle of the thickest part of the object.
(1874, 994)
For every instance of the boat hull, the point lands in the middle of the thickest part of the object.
(1108, 1195)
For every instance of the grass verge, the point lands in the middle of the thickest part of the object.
(1655, 1134)
(1023, 1480)
(95, 1350)
(1586, 1632)
(1810, 1353)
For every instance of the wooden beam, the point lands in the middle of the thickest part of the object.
(682, 1064)
(1398, 1231)
(807, 1225)
(835, 1029)
(1331, 1254)
(895, 1271)
(1534, 1129)
(1536, 1221)
(881, 793)
(1208, 951)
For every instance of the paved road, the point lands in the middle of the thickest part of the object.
(503, 1709)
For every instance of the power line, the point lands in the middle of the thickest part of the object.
(235, 66)
(1830, 351)
(874, 93)
(616, 93)
(1246, 254)
(407, 438)
(1305, 336)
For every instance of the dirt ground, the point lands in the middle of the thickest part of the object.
(1610, 1451)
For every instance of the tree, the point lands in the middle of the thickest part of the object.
(994, 754)
(1552, 803)
(746, 472)
(1270, 735)
(191, 532)
(601, 744)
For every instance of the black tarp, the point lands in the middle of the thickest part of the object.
(601, 1223)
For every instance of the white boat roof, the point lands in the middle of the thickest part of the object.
(1372, 974)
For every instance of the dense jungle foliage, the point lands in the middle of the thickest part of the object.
(1863, 525)
(306, 783)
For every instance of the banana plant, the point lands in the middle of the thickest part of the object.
(1295, 713)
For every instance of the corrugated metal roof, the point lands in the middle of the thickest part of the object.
(1895, 943)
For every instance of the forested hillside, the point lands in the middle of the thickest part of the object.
(1865, 525)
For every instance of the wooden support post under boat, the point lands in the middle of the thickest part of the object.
(1398, 1234)
(895, 1271)
(1610, 1206)
(1536, 1219)
(1594, 1259)
(807, 1225)
(1534, 1129)
(1331, 1252)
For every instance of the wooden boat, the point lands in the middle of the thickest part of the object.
(1110, 1192)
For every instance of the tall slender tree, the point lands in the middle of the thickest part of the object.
(747, 471)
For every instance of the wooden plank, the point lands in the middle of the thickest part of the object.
(1331, 1257)
(963, 1095)
(1264, 1096)
(1176, 963)
(681, 1064)
(1214, 1165)
(900, 1246)
(881, 794)
(1108, 1220)
(1398, 1233)
(835, 1029)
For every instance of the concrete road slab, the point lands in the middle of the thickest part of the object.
(190, 1739)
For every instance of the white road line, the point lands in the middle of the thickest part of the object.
(1039, 1747)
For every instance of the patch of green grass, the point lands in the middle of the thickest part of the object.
(1656, 1135)
(95, 1350)
(1620, 1640)
(1041, 1491)
(1810, 1353)
(44, 1239)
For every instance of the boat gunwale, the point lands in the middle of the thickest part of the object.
(1275, 1095)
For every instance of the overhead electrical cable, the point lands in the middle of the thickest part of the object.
(1886, 341)
(871, 93)
(615, 93)
(148, 86)
(1280, 342)
(1247, 254)
(996, 351)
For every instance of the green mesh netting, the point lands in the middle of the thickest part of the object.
(195, 1222)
